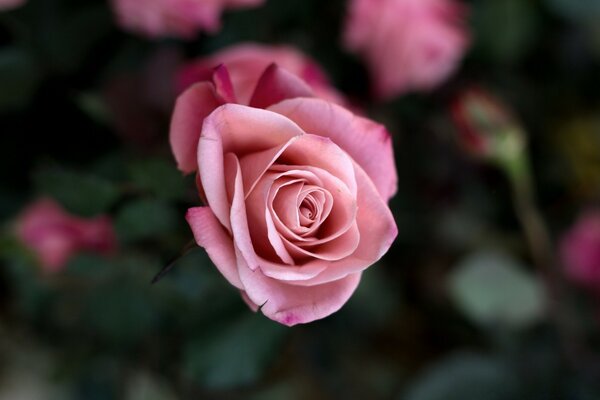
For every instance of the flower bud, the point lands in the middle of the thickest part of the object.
(486, 127)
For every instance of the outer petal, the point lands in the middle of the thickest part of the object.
(209, 234)
(240, 130)
(291, 305)
(277, 84)
(195, 104)
(367, 142)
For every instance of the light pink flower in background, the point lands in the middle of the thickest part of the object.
(580, 250)
(175, 18)
(242, 74)
(10, 4)
(55, 236)
(408, 45)
(295, 192)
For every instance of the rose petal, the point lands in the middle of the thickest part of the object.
(238, 217)
(240, 130)
(209, 234)
(195, 104)
(377, 232)
(291, 305)
(320, 152)
(223, 85)
(367, 142)
(277, 84)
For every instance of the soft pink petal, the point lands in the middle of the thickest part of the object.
(291, 305)
(211, 235)
(240, 130)
(377, 233)
(195, 104)
(277, 84)
(238, 218)
(367, 142)
(256, 164)
(223, 85)
(321, 152)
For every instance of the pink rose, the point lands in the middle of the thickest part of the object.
(55, 236)
(174, 18)
(408, 45)
(9, 4)
(295, 192)
(580, 250)
(246, 63)
(243, 74)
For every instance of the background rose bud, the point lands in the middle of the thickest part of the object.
(46, 229)
(174, 18)
(408, 45)
(580, 250)
(485, 126)
(248, 74)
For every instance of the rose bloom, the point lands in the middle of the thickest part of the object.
(580, 250)
(9, 4)
(54, 236)
(174, 18)
(295, 190)
(408, 45)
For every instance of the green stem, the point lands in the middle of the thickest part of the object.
(543, 253)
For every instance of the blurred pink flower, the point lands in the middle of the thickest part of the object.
(246, 62)
(174, 18)
(9, 4)
(408, 45)
(46, 229)
(580, 250)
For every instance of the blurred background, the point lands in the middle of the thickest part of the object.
(491, 290)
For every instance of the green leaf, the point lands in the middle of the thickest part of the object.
(158, 177)
(236, 355)
(465, 377)
(143, 219)
(19, 77)
(492, 288)
(81, 193)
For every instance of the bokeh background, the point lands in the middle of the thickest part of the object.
(460, 308)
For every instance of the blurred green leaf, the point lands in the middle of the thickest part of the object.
(465, 377)
(19, 77)
(158, 177)
(145, 218)
(578, 10)
(120, 313)
(68, 36)
(145, 386)
(81, 193)
(504, 29)
(94, 106)
(490, 288)
(236, 355)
